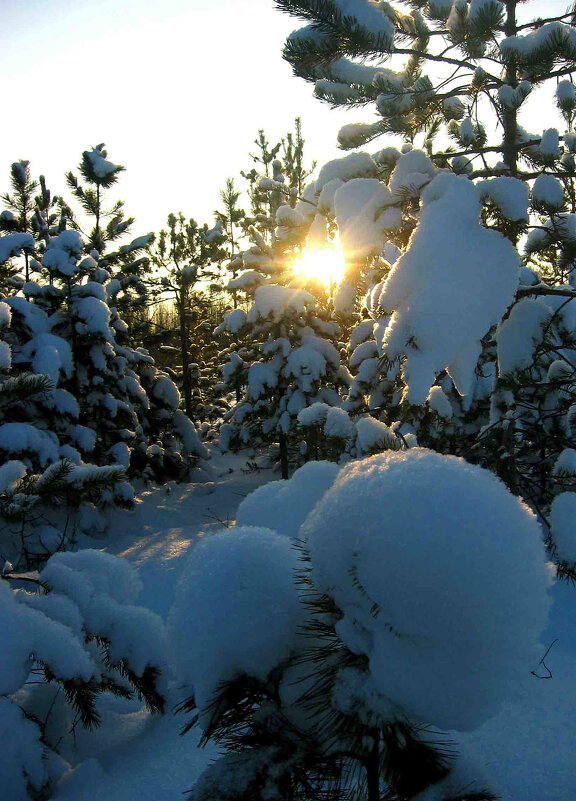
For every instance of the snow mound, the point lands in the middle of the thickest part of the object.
(236, 609)
(446, 600)
(284, 505)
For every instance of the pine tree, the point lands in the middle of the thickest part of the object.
(73, 635)
(287, 355)
(381, 652)
(42, 477)
(185, 256)
(455, 72)
(107, 403)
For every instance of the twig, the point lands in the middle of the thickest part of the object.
(543, 663)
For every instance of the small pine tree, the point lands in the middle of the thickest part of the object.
(185, 256)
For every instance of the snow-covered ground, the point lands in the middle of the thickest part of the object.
(526, 751)
(135, 754)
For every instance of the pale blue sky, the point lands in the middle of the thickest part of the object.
(176, 88)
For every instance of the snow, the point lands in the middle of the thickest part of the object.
(374, 436)
(185, 427)
(234, 320)
(379, 538)
(13, 244)
(365, 350)
(345, 298)
(5, 356)
(306, 365)
(315, 414)
(540, 39)
(361, 333)
(358, 206)
(512, 97)
(438, 401)
(260, 377)
(26, 631)
(338, 424)
(246, 280)
(95, 315)
(563, 525)
(10, 474)
(103, 588)
(562, 227)
(5, 315)
(370, 17)
(566, 94)
(84, 437)
(326, 203)
(120, 454)
(49, 354)
(526, 750)
(548, 191)
(509, 194)
(102, 168)
(137, 244)
(275, 301)
(549, 145)
(63, 252)
(566, 463)
(453, 283)
(357, 133)
(21, 753)
(356, 165)
(23, 438)
(340, 91)
(165, 389)
(284, 505)
(412, 171)
(34, 318)
(518, 335)
(236, 610)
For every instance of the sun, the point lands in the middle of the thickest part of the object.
(326, 265)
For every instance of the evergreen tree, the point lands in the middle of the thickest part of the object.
(105, 403)
(185, 257)
(382, 645)
(287, 356)
(73, 635)
(466, 358)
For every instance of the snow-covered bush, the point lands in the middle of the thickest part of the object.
(76, 636)
(412, 613)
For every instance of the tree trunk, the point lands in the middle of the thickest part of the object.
(510, 116)
(186, 383)
(284, 454)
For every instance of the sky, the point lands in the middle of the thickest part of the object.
(177, 89)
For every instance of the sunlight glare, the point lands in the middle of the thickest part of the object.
(326, 266)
